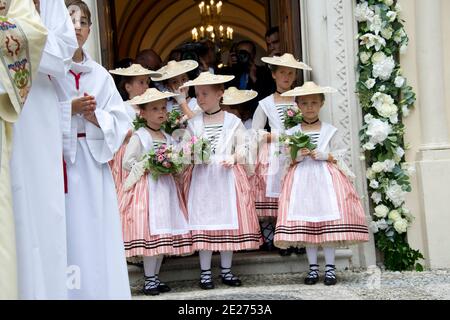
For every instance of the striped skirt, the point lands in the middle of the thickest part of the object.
(134, 212)
(265, 206)
(247, 237)
(350, 229)
(116, 169)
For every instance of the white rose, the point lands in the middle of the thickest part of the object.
(370, 83)
(394, 215)
(382, 224)
(396, 194)
(369, 146)
(389, 2)
(378, 167)
(376, 197)
(378, 57)
(403, 49)
(392, 15)
(374, 184)
(389, 165)
(401, 225)
(365, 57)
(405, 111)
(383, 88)
(373, 226)
(381, 211)
(387, 33)
(370, 174)
(363, 12)
(368, 117)
(383, 69)
(378, 131)
(394, 118)
(399, 81)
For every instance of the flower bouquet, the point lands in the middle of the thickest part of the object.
(164, 160)
(197, 149)
(292, 117)
(296, 142)
(175, 120)
(139, 122)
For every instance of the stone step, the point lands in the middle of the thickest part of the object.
(244, 263)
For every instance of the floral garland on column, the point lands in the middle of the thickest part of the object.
(385, 98)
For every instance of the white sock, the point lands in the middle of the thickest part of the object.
(149, 270)
(205, 259)
(158, 268)
(226, 259)
(311, 252)
(330, 254)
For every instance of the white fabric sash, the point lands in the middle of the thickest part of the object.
(212, 195)
(165, 215)
(313, 198)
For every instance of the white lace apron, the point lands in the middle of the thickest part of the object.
(165, 215)
(313, 197)
(212, 194)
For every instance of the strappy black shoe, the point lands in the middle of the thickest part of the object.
(230, 279)
(162, 287)
(286, 252)
(330, 275)
(150, 286)
(313, 275)
(206, 282)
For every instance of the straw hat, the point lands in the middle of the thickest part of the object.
(286, 60)
(174, 68)
(206, 78)
(233, 96)
(151, 95)
(133, 71)
(308, 88)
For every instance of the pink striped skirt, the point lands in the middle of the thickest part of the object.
(265, 206)
(134, 212)
(350, 229)
(247, 237)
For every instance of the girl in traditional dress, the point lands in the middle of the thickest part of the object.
(153, 212)
(318, 204)
(173, 76)
(220, 206)
(99, 124)
(235, 101)
(267, 179)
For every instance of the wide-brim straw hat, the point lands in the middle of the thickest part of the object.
(207, 78)
(134, 70)
(175, 68)
(233, 96)
(308, 88)
(151, 95)
(286, 60)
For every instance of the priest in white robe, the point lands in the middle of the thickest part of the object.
(99, 124)
(37, 173)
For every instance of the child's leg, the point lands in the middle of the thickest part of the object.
(226, 259)
(205, 266)
(330, 268)
(313, 274)
(150, 285)
(162, 287)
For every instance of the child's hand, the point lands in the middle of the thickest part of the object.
(305, 152)
(229, 163)
(318, 155)
(83, 105)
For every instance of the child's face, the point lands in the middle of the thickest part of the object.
(137, 86)
(284, 77)
(232, 109)
(155, 113)
(81, 24)
(176, 82)
(310, 106)
(208, 97)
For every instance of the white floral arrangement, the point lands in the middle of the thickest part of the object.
(386, 98)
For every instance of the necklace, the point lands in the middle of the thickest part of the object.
(280, 93)
(310, 123)
(154, 130)
(213, 113)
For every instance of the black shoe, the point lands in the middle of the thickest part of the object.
(267, 246)
(229, 279)
(300, 251)
(150, 287)
(330, 275)
(313, 275)
(286, 252)
(206, 282)
(162, 287)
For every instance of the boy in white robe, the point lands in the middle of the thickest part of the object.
(99, 124)
(38, 185)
